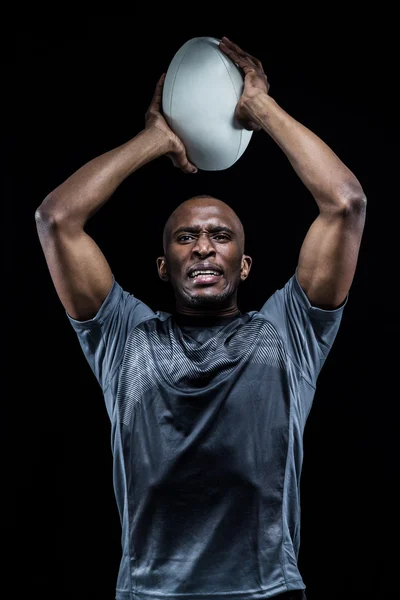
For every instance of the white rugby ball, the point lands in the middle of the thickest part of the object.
(201, 89)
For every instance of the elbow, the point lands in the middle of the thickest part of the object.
(46, 218)
(350, 201)
(352, 209)
(356, 204)
(48, 212)
(43, 218)
(347, 206)
(44, 222)
(39, 215)
(345, 199)
(43, 212)
(50, 218)
(353, 198)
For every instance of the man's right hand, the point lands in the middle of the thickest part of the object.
(154, 119)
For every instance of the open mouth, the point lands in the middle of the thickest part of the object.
(204, 278)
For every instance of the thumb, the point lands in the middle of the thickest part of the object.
(180, 160)
(188, 167)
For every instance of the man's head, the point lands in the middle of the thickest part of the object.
(206, 233)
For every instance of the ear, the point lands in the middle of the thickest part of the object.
(246, 266)
(162, 268)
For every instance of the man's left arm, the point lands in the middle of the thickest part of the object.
(329, 253)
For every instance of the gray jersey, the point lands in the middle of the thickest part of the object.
(207, 420)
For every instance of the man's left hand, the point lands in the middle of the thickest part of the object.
(255, 81)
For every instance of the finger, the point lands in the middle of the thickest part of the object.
(241, 61)
(180, 160)
(235, 48)
(156, 100)
(187, 166)
(182, 163)
(191, 169)
(257, 61)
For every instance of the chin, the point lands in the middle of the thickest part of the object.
(210, 299)
(207, 296)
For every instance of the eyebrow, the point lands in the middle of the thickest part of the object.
(197, 228)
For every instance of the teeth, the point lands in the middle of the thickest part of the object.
(195, 273)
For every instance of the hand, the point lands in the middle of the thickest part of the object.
(154, 119)
(255, 81)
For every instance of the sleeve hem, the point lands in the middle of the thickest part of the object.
(319, 313)
(98, 318)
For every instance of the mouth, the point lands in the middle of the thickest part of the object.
(205, 279)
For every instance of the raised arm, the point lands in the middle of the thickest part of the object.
(329, 253)
(79, 270)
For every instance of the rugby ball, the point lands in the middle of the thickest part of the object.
(201, 89)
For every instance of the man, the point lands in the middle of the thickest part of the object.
(208, 405)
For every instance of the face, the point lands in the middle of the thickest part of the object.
(204, 231)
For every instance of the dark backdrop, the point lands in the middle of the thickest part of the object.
(75, 87)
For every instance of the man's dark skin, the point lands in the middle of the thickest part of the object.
(222, 249)
(328, 256)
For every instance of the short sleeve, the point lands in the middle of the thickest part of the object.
(308, 331)
(103, 338)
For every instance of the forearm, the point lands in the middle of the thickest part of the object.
(86, 190)
(324, 174)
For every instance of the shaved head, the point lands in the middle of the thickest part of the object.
(204, 233)
(203, 200)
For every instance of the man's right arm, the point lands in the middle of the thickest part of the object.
(79, 270)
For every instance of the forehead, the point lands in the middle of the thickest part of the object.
(195, 214)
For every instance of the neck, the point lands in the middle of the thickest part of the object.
(202, 312)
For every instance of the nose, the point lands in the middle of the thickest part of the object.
(203, 246)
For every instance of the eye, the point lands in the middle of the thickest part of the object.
(219, 235)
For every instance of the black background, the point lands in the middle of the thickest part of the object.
(76, 86)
